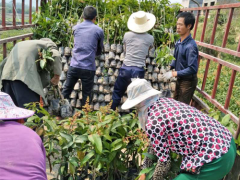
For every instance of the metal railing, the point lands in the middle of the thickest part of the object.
(14, 24)
(220, 62)
(14, 40)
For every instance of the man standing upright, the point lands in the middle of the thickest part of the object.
(186, 63)
(88, 42)
(137, 43)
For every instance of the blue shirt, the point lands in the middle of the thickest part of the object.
(186, 55)
(88, 42)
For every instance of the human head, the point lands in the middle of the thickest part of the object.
(138, 91)
(89, 13)
(185, 22)
(8, 110)
(141, 22)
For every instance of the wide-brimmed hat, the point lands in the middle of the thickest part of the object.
(138, 91)
(8, 110)
(141, 22)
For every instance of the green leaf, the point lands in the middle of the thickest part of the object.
(30, 124)
(134, 121)
(62, 168)
(225, 120)
(66, 136)
(43, 63)
(238, 139)
(146, 170)
(74, 161)
(116, 142)
(116, 124)
(105, 122)
(109, 118)
(81, 139)
(150, 174)
(90, 138)
(112, 155)
(50, 123)
(87, 157)
(32, 118)
(98, 143)
(71, 168)
(106, 145)
(150, 156)
(96, 161)
(70, 178)
(68, 145)
(238, 152)
(107, 137)
(50, 58)
(118, 146)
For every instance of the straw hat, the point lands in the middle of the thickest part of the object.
(138, 91)
(141, 22)
(8, 110)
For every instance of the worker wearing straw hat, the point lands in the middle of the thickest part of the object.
(137, 43)
(22, 154)
(207, 147)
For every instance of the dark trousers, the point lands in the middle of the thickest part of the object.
(185, 89)
(123, 80)
(87, 79)
(19, 92)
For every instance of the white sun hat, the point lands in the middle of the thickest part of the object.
(141, 22)
(138, 91)
(8, 110)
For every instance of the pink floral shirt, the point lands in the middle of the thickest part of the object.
(175, 126)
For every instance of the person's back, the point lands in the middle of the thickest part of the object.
(87, 38)
(137, 47)
(22, 155)
(20, 70)
(88, 42)
(137, 43)
(21, 60)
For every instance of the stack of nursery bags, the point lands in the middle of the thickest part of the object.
(107, 69)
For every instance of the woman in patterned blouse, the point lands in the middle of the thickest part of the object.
(207, 147)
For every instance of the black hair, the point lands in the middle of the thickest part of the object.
(189, 18)
(89, 13)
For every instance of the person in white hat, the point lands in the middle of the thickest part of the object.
(207, 147)
(137, 43)
(22, 154)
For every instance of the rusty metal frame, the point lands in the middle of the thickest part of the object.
(234, 68)
(14, 25)
(4, 42)
(223, 6)
(14, 40)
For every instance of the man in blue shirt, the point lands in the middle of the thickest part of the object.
(88, 42)
(186, 63)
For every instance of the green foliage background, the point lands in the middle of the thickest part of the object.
(56, 19)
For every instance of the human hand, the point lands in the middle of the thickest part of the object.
(55, 80)
(142, 177)
(168, 75)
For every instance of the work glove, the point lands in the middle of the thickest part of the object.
(168, 75)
